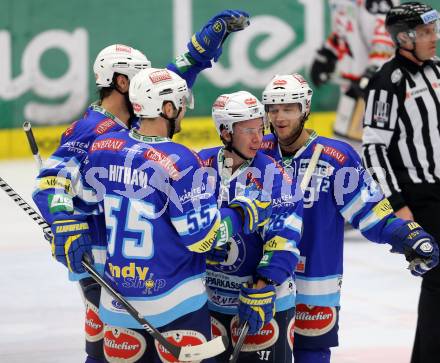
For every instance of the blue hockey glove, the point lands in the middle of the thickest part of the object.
(71, 240)
(419, 247)
(256, 306)
(256, 206)
(207, 43)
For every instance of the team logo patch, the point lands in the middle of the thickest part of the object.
(291, 333)
(163, 160)
(123, 345)
(217, 328)
(160, 76)
(108, 144)
(335, 154)
(265, 338)
(104, 126)
(180, 338)
(94, 327)
(312, 321)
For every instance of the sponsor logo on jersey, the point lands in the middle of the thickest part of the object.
(209, 162)
(163, 160)
(94, 327)
(291, 333)
(220, 102)
(60, 203)
(70, 129)
(123, 48)
(108, 144)
(135, 276)
(340, 157)
(54, 182)
(76, 146)
(219, 280)
(181, 338)
(160, 76)
(123, 345)
(194, 194)
(265, 338)
(313, 321)
(217, 328)
(301, 265)
(267, 145)
(283, 172)
(383, 209)
(103, 126)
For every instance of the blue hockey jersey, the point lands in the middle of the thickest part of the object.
(54, 195)
(59, 182)
(160, 221)
(271, 253)
(340, 189)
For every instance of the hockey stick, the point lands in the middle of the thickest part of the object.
(184, 354)
(240, 342)
(27, 127)
(311, 167)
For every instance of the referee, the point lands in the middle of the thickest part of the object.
(402, 137)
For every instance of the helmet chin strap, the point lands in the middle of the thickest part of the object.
(232, 149)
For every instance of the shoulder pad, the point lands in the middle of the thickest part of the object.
(378, 6)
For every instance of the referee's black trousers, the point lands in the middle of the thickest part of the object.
(424, 202)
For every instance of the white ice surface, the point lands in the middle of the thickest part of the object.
(41, 313)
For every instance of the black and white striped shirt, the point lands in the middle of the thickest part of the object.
(402, 125)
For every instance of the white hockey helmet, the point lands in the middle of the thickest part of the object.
(151, 87)
(235, 107)
(118, 58)
(289, 88)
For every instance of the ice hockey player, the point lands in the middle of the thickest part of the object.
(340, 190)
(257, 278)
(357, 45)
(161, 217)
(114, 67)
